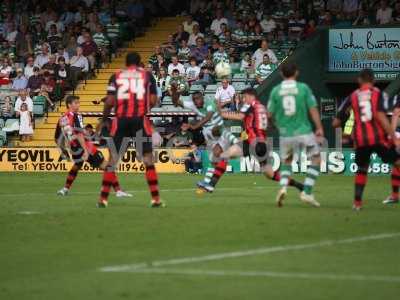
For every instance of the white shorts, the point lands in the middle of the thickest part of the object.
(223, 141)
(296, 144)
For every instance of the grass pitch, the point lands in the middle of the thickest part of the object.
(233, 244)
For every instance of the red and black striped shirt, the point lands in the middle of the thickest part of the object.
(255, 121)
(365, 102)
(132, 88)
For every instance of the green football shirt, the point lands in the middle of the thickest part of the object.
(289, 104)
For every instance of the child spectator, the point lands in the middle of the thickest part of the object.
(246, 63)
(193, 71)
(25, 123)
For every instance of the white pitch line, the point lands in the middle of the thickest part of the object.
(225, 255)
(27, 213)
(293, 275)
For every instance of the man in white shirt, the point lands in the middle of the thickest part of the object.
(268, 24)
(175, 64)
(258, 56)
(188, 24)
(28, 70)
(194, 35)
(23, 98)
(225, 93)
(216, 23)
(44, 57)
(384, 13)
(12, 33)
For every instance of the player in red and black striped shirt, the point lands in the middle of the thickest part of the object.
(131, 92)
(70, 135)
(371, 129)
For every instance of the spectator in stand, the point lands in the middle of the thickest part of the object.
(268, 24)
(62, 74)
(50, 66)
(246, 65)
(54, 38)
(71, 46)
(20, 82)
(189, 23)
(6, 109)
(92, 22)
(396, 13)
(55, 21)
(194, 35)
(220, 55)
(296, 26)
(384, 13)
(176, 65)
(224, 94)
(44, 57)
(35, 82)
(200, 52)
(264, 69)
(25, 123)
(113, 30)
(205, 77)
(23, 98)
(161, 80)
(193, 71)
(102, 42)
(89, 50)
(310, 29)
(193, 162)
(11, 33)
(258, 56)
(48, 89)
(153, 59)
(61, 52)
(79, 65)
(350, 8)
(160, 63)
(183, 137)
(169, 47)
(23, 42)
(184, 52)
(239, 35)
(216, 23)
(5, 71)
(178, 81)
(181, 34)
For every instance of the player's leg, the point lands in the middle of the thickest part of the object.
(362, 160)
(286, 154)
(395, 180)
(220, 165)
(73, 172)
(311, 147)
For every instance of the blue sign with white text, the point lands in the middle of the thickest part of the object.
(352, 50)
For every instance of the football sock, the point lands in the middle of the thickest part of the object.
(108, 178)
(292, 182)
(115, 183)
(209, 174)
(286, 171)
(152, 181)
(395, 182)
(220, 169)
(360, 182)
(311, 176)
(71, 176)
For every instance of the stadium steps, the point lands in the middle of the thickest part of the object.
(95, 89)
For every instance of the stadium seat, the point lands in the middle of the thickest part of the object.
(239, 77)
(3, 138)
(240, 86)
(196, 88)
(235, 68)
(209, 97)
(2, 123)
(11, 125)
(211, 88)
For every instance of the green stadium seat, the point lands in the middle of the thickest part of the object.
(239, 77)
(211, 88)
(196, 88)
(11, 125)
(2, 123)
(3, 138)
(240, 86)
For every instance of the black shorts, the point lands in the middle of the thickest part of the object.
(388, 155)
(259, 150)
(95, 159)
(132, 129)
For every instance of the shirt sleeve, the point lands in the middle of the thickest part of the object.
(343, 110)
(310, 98)
(271, 106)
(245, 109)
(112, 86)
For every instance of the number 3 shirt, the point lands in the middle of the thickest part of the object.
(255, 121)
(365, 102)
(289, 104)
(132, 88)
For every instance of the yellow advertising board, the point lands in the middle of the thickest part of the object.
(51, 160)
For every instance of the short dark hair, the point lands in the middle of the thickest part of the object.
(250, 91)
(132, 59)
(70, 99)
(288, 69)
(366, 75)
(89, 126)
(175, 71)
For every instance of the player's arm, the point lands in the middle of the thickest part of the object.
(109, 101)
(314, 113)
(81, 139)
(229, 115)
(342, 114)
(395, 118)
(382, 118)
(203, 121)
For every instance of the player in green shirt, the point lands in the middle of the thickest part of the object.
(291, 105)
(221, 143)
